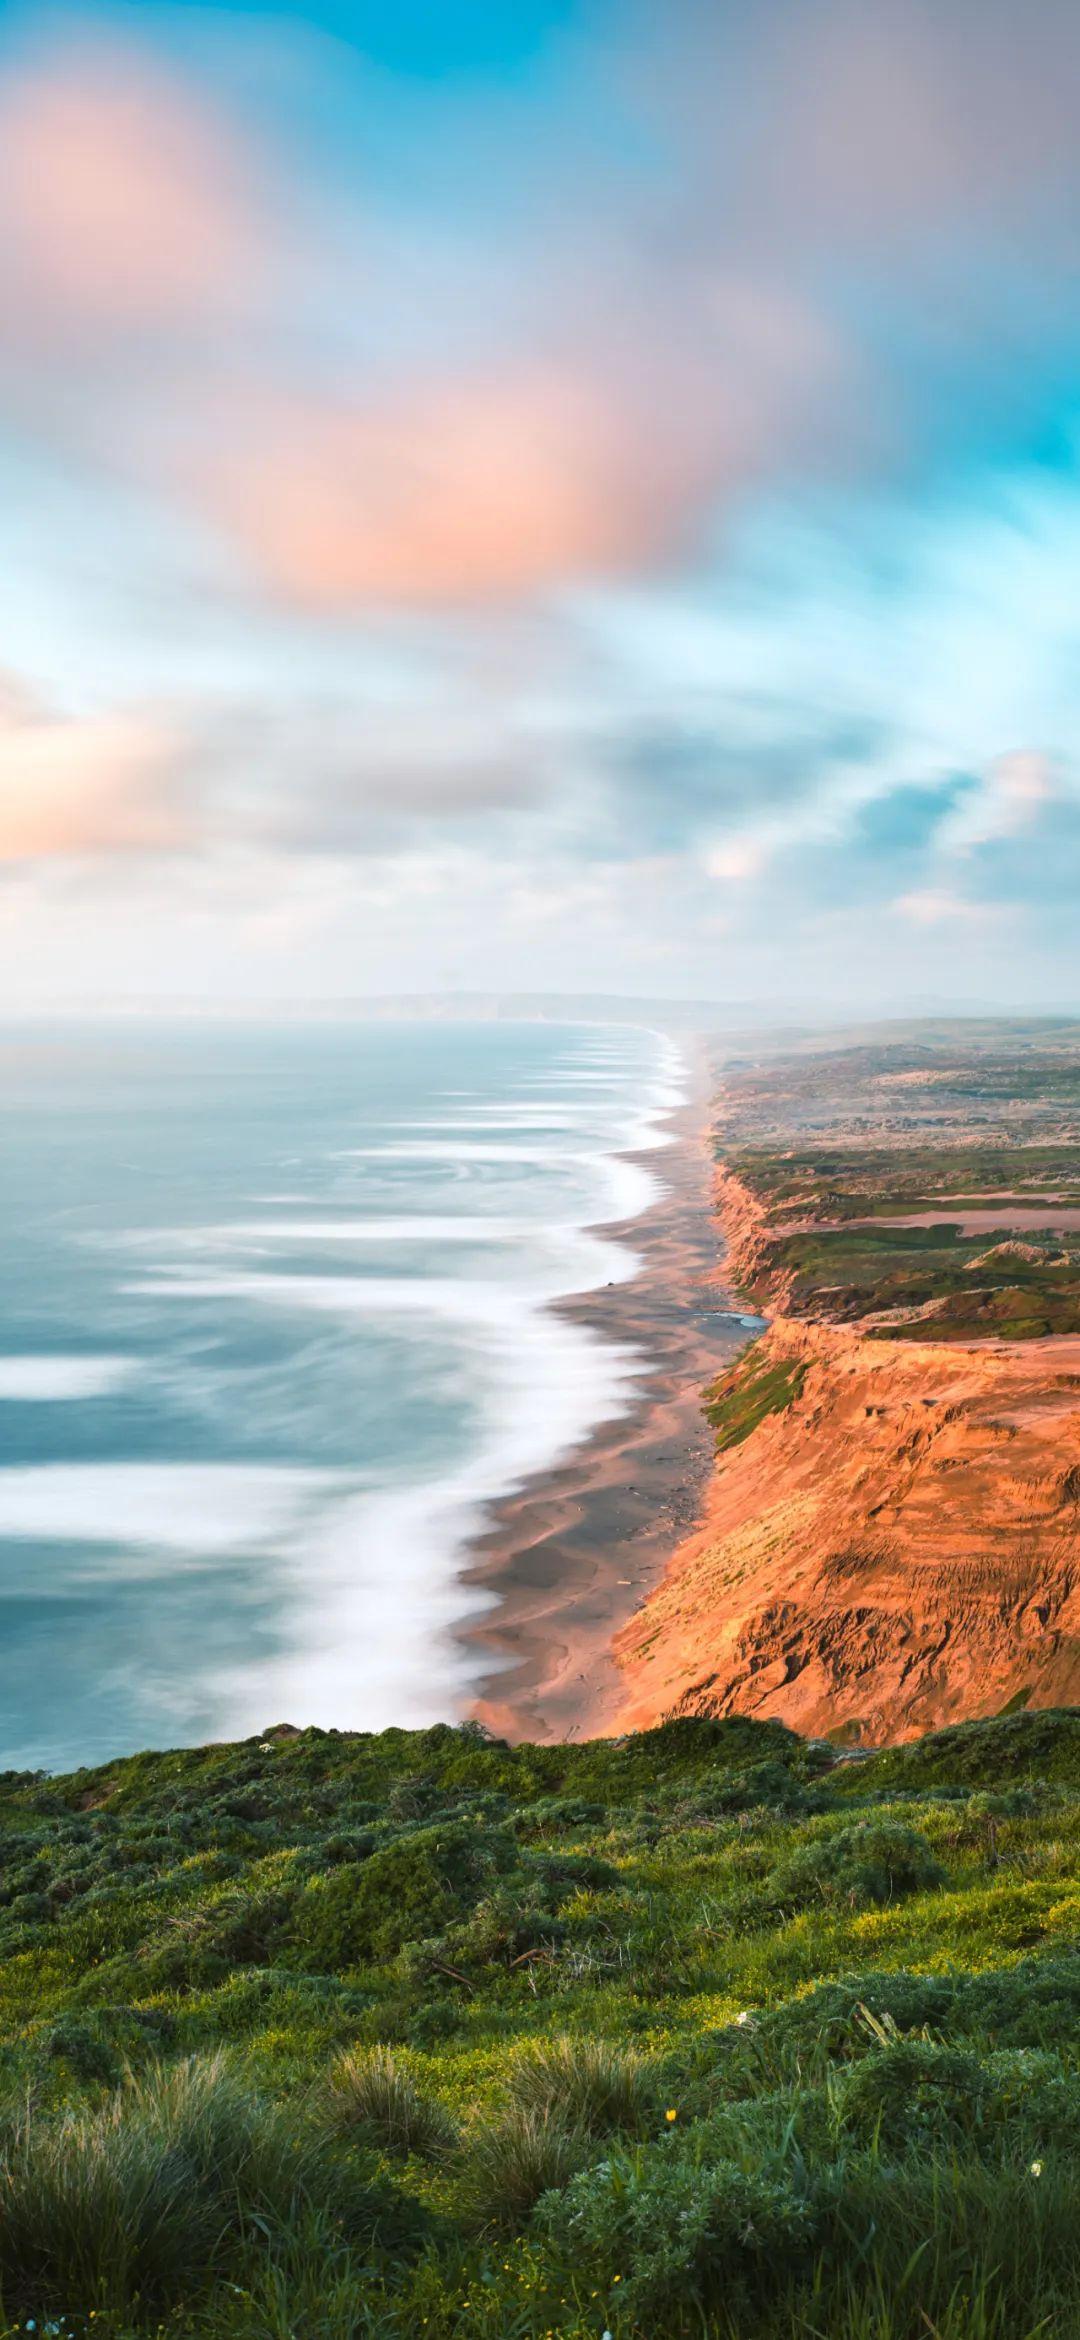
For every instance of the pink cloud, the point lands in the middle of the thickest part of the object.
(593, 437)
(461, 490)
(478, 485)
(88, 785)
(123, 199)
(429, 435)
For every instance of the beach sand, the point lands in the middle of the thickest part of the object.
(571, 1556)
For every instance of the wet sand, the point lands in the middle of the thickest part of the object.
(572, 1555)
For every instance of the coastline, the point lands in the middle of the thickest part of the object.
(570, 1556)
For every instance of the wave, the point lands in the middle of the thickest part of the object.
(52, 1377)
(376, 1604)
(197, 1510)
(325, 1591)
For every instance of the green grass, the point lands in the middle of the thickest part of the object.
(709, 2031)
(748, 1393)
(977, 1285)
(836, 1142)
(866, 1181)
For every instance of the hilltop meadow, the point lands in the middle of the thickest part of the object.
(711, 2030)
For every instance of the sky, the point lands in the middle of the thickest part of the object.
(540, 495)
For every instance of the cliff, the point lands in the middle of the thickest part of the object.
(898, 1548)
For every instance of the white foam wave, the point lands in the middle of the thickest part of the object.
(193, 1509)
(32, 1379)
(365, 1579)
(378, 1644)
(439, 1150)
(265, 1233)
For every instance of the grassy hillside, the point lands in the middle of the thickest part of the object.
(703, 2032)
(840, 1145)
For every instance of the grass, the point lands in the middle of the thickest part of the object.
(748, 1393)
(708, 2031)
(370, 2096)
(975, 1284)
(836, 1143)
(589, 2084)
(138, 2201)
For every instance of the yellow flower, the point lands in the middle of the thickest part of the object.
(671, 2114)
(1036, 2169)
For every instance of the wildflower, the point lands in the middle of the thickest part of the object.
(671, 2114)
(744, 2017)
(1036, 2169)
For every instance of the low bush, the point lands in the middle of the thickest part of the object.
(411, 1888)
(675, 2233)
(874, 1861)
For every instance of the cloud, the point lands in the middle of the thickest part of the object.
(737, 861)
(356, 775)
(936, 906)
(575, 381)
(597, 452)
(581, 424)
(456, 491)
(872, 125)
(1010, 797)
(123, 201)
(91, 785)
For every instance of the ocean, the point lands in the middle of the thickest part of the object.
(276, 1333)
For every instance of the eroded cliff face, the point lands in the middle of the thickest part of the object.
(899, 1549)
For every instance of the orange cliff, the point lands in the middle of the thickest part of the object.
(897, 1550)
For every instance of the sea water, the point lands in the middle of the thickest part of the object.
(276, 1332)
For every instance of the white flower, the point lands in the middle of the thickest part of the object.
(1036, 2169)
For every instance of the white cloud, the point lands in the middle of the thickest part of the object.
(738, 860)
(1011, 794)
(936, 906)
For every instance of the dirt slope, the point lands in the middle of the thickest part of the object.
(897, 1550)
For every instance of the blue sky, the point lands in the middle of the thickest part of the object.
(542, 496)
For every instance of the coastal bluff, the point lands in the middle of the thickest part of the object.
(896, 1550)
(891, 1537)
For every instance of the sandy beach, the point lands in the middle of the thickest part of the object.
(571, 1556)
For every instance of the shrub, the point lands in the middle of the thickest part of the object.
(771, 1785)
(102, 2044)
(679, 2233)
(370, 2094)
(873, 1862)
(504, 1928)
(921, 2094)
(204, 1945)
(408, 1890)
(913, 2091)
(588, 2083)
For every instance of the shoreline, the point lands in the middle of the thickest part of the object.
(571, 1555)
